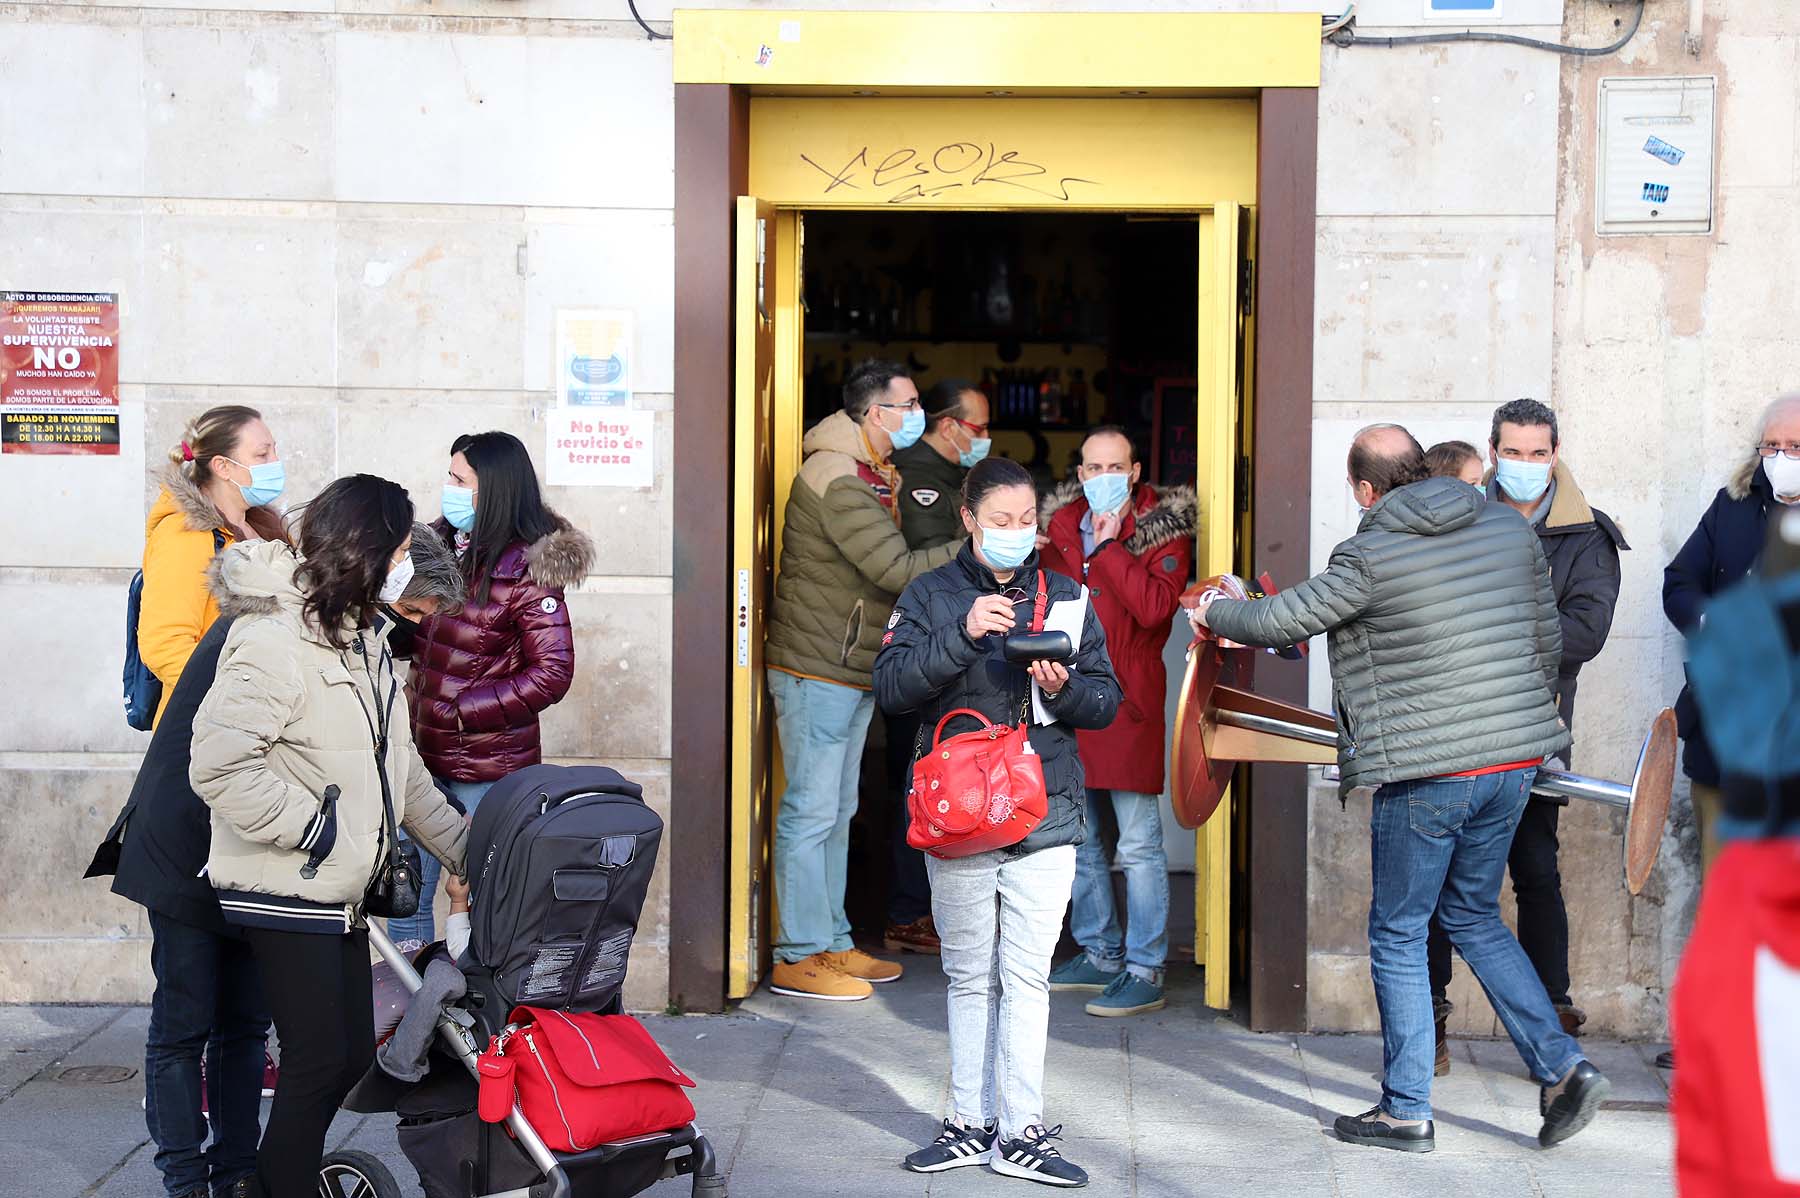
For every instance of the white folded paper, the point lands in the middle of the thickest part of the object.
(1065, 615)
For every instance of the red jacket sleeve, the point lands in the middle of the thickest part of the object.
(547, 645)
(1149, 587)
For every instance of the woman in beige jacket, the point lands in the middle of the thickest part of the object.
(305, 698)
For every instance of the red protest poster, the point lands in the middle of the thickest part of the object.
(59, 372)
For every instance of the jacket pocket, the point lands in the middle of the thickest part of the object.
(852, 632)
(1346, 726)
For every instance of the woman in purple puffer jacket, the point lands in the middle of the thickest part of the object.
(481, 676)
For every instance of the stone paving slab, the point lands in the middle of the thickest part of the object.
(813, 1099)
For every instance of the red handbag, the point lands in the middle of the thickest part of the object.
(582, 1080)
(981, 790)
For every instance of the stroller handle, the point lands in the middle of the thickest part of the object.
(460, 1043)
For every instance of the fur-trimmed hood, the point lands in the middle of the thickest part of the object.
(255, 578)
(1162, 515)
(562, 558)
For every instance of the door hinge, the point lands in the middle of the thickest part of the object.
(1246, 286)
(743, 619)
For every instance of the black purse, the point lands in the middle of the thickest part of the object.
(393, 890)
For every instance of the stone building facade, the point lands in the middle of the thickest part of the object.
(361, 216)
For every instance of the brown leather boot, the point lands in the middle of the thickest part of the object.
(1572, 1018)
(1440, 1009)
(919, 936)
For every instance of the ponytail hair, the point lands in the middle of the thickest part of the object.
(212, 434)
(990, 475)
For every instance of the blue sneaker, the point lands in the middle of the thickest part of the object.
(1080, 973)
(1128, 994)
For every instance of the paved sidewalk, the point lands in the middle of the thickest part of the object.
(808, 1098)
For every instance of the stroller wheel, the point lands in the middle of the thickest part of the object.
(355, 1175)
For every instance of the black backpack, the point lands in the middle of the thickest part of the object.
(559, 861)
(143, 690)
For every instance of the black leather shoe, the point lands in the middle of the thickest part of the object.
(1666, 1059)
(1370, 1131)
(246, 1186)
(1575, 1107)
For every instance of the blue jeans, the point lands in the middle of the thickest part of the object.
(1143, 947)
(1441, 844)
(208, 999)
(822, 726)
(422, 925)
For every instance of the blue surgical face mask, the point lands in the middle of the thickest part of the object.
(912, 427)
(458, 506)
(267, 481)
(978, 449)
(1522, 482)
(1106, 492)
(1007, 548)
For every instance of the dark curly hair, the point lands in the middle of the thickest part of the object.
(348, 536)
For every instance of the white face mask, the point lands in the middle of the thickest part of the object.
(397, 578)
(1783, 474)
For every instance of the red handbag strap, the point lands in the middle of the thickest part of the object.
(1041, 604)
(937, 736)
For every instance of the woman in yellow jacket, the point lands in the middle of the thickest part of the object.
(216, 490)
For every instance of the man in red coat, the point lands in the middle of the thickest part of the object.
(1133, 547)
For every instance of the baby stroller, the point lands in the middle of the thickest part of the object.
(559, 859)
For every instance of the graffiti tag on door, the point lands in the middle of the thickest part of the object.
(909, 174)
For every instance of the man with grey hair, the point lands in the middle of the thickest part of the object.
(1582, 545)
(1444, 644)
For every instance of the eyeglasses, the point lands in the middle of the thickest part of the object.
(1790, 450)
(979, 430)
(901, 407)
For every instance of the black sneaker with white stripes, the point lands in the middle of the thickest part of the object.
(955, 1147)
(1033, 1158)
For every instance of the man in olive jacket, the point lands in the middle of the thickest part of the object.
(844, 561)
(1444, 653)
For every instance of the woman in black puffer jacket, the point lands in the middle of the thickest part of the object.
(942, 652)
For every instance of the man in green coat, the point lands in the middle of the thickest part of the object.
(931, 479)
(844, 561)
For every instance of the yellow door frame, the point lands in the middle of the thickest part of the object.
(906, 143)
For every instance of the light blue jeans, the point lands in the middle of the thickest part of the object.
(1143, 946)
(999, 917)
(822, 726)
(422, 926)
(1441, 843)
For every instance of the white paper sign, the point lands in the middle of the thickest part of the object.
(600, 447)
(593, 358)
(1065, 615)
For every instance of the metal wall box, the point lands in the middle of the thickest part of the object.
(1656, 156)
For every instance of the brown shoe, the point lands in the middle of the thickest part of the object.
(855, 963)
(1572, 1018)
(817, 977)
(919, 936)
(1441, 1009)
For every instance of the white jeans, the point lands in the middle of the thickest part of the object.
(999, 918)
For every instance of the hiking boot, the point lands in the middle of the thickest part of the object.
(1573, 1105)
(1079, 973)
(1370, 1130)
(246, 1186)
(955, 1147)
(919, 936)
(1571, 1017)
(1128, 994)
(858, 964)
(1033, 1158)
(817, 977)
(1440, 1011)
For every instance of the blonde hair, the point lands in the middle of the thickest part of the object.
(212, 434)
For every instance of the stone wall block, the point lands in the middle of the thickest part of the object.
(617, 259)
(66, 136)
(619, 703)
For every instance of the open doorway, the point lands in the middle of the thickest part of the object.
(1065, 321)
